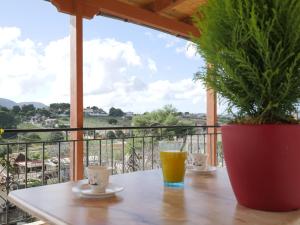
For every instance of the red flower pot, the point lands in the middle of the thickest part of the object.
(263, 164)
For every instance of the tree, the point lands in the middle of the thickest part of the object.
(7, 120)
(165, 116)
(115, 112)
(32, 137)
(59, 108)
(28, 110)
(110, 134)
(4, 109)
(162, 117)
(16, 109)
(36, 155)
(112, 121)
(120, 134)
(57, 136)
(44, 112)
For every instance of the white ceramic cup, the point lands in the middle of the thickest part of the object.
(199, 161)
(98, 177)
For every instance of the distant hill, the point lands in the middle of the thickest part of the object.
(9, 103)
(37, 105)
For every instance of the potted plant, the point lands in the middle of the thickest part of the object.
(254, 49)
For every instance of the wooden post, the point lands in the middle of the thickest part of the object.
(76, 114)
(211, 120)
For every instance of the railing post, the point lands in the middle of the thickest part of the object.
(76, 114)
(211, 120)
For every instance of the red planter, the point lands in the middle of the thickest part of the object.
(263, 163)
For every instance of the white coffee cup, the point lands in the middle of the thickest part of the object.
(98, 177)
(199, 161)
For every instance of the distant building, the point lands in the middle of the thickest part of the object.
(32, 166)
(51, 122)
(88, 110)
(98, 114)
(129, 114)
(94, 112)
(37, 119)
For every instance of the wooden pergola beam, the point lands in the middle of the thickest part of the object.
(161, 5)
(76, 117)
(211, 120)
(129, 13)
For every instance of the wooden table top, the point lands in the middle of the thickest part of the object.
(205, 200)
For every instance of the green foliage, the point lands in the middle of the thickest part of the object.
(165, 116)
(3, 152)
(254, 47)
(116, 112)
(60, 108)
(31, 137)
(34, 182)
(57, 136)
(44, 112)
(16, 109)
(119, 134)
(112, 121)
(36, 155)
(7, 120)
(28, 110)
(162, 117)
(110, 134)
(4, 109)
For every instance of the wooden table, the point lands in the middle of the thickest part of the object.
(205, 200)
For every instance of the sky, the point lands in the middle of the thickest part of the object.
(125, 65)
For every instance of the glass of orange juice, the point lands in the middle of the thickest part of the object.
(173, 167)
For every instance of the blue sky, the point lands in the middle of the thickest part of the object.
(125, 65)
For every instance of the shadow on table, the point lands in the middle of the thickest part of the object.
(173, 204)
(244, 215)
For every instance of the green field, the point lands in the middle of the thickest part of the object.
(103, 121)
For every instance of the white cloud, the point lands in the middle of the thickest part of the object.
(32, 71)
(152, 65)
(170, 40)
(155, 95)
(189, 50)
(149, 35)
(8, 35)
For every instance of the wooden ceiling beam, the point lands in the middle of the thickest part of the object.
(129, 13)
(75, 7)
(162, 5)
(143, 17)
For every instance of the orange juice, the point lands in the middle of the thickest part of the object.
(173, 167)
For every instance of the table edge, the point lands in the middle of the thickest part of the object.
(34, 211)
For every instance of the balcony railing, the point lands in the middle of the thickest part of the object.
(34, 157)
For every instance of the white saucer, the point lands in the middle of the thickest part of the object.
(84, 190)
(209, 170)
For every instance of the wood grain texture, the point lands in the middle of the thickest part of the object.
(76, 93)
(205, 200)
(131, 11)
(211, 120)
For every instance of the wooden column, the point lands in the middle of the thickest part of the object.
(211, 120)
(76, 116)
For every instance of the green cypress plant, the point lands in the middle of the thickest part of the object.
(254, 47)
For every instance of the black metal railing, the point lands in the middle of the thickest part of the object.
(34, 157)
